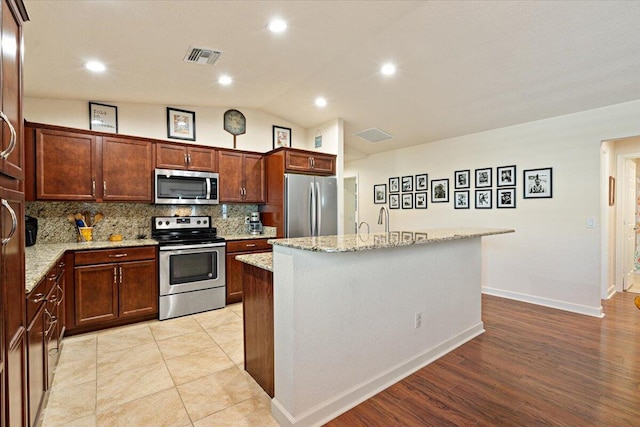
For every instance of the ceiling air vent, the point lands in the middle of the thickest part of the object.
(373, 135)
(202, 56)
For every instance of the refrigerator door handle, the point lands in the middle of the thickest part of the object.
(318, 209)
(312, 210)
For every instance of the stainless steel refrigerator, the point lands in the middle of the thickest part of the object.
(310, 205)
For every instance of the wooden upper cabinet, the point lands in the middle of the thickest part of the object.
(65, 165)
(176, 156)
(242, 177)
(311, 163)
(127, 169)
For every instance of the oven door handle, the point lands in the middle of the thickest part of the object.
(182, 248)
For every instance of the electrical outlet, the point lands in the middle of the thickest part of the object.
(418, 320)
(246, 220)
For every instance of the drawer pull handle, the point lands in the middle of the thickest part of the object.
(252, 245)
(118, 255)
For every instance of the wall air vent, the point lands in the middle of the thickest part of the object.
(202, 56)
(373, 135)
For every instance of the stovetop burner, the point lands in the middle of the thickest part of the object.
(175, 230)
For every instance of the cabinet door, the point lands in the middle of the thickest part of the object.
(36, 365)
(254, 178)
(231, 179)
(126, 170)
(171, 156)
(138, 288)
(96, 294)
(203, 159)
(234, 279)
(12, 226)
(323, 164)
(11, 91)
(297, 162)
(65, 165)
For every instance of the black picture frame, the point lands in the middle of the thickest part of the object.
(281, 136)
(483, 178)
(422, 182)
(407, 236)
(380, 194)
(407, 184)
(461, 199)
(181, 124)
(440, 190)
(394, 237)
(506, 176)
(537, 183)
(421, 200)
(419, 237)
(462, 179)
(506, 198)
(103, 117)
(407, 201)
(484, 199)
(394, 185)
(394, 201)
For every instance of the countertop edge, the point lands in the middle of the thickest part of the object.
(263, 260)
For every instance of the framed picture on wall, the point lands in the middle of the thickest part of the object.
(461, 199)
(538, 183)
(422, 182)
(394, 185)
(421, 200)
(407, 183)
(407, 201)
(394, 201)
(181, 124)
(506, 176)
(103, 118)
(483, 177)
(281, 137)
(462, 179)
(506, 198)
(380, 194)
(407, 236)
(439, 190)
(483, 199)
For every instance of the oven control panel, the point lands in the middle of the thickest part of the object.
(181, 222)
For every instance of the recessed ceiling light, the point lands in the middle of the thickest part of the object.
(95, 66)
(321, 102)
(277, 25)
(388, 69)
(225, 80)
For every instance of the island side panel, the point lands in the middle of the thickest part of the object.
(345, 322)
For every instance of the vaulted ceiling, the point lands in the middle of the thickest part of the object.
(462, 66)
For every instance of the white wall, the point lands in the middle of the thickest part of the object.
(148, 120)
(553, 258)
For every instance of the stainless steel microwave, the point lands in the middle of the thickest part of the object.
(180, 187)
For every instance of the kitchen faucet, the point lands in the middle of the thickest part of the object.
(386, 214)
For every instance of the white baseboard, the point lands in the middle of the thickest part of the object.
(611, 291)
(547, 302)
(328, 410)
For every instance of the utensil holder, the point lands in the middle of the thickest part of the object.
(85, 234)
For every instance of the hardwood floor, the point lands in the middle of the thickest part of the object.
(533, 366)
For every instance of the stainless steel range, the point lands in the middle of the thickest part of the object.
(192, 265)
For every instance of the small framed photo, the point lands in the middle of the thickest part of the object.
(407, 183)
(394, 201)
(394, 185)
(538, 183)
(281, 137)
(439, 190)
(380, 194)
(506, 198)
(407, 236)
(103, 118)
(419, 237)
(506, 176)
(483, 177)
(181, 124)
(422, 182)
(407, 201)
(421, 200)
(461, 199)
(483, 199)
(394, 237)
(462, 179)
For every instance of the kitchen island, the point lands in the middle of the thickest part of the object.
(353, 314)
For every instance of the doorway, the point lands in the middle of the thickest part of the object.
(627, 214)
(350, 204)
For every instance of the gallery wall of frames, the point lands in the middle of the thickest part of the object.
(489, 189)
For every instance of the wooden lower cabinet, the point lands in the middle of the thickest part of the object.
(234, 267)
(37, 378)
(113, 286)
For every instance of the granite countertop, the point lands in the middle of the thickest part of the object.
(262, 260)
(40, 258)
(369, 241)
(267, 233)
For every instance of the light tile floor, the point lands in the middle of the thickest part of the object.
(179, 372)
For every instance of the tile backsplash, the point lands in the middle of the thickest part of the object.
(128, 219)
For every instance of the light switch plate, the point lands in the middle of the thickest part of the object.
(591, 223)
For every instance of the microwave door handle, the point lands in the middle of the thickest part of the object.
(208, 196)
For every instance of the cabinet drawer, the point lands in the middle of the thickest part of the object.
(101, 256)
(35, 299)
(248, 245)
